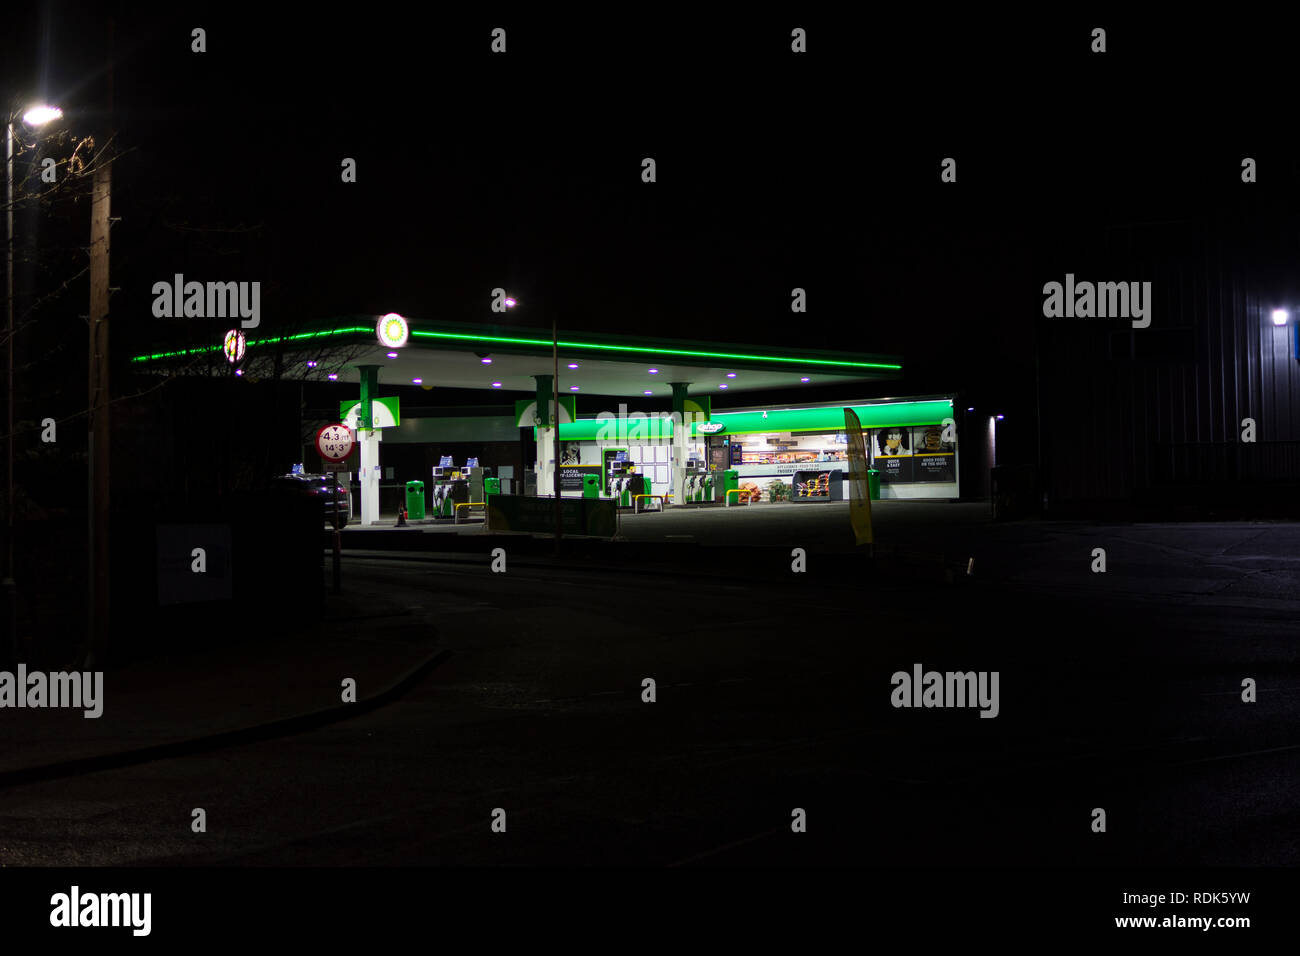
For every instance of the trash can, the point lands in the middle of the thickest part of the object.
(873, 483)
(415, 500)
(590, 486)
(491, 486)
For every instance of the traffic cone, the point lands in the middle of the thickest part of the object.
(401, 516)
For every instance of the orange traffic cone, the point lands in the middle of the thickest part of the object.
(401, 516)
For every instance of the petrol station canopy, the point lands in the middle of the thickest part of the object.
(509, 358)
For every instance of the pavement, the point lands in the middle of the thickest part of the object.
(257, 683)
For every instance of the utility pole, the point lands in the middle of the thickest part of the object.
(98, 449)
(97, 628)
(9, 585)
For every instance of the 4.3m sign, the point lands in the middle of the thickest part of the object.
(335, 442)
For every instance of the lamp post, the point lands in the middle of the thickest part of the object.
(35, 117)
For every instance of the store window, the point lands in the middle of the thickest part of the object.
(786, 449)
(909, 455)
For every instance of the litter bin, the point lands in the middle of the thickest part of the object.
(415, 500)
(590, 486)
(873, 483)
(491, 486)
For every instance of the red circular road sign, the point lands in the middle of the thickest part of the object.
(335, 442)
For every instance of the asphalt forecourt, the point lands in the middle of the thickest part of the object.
(722, 538)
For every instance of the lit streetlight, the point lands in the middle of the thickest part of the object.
(35, 117)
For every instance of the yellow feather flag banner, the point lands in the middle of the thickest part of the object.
(859, 494)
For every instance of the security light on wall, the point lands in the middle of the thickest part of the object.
(1279, 316)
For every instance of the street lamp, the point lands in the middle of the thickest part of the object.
(36, 116)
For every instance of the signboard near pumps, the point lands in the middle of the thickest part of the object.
(571, 476)
(350, 464)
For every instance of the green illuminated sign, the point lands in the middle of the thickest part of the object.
(650, 350)
(829, 419)
(251, 344)
(472, 338)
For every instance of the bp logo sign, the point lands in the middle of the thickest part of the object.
(385, 412)
(234, 346)
(393, 330)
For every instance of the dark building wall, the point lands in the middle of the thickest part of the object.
(1126, 412)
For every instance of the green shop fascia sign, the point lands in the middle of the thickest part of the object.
(659, 427)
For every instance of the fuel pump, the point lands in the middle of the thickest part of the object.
(449, 487)
(695, 476)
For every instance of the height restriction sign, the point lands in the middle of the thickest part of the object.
(335, 442)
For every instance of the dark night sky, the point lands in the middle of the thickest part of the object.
(775, 171)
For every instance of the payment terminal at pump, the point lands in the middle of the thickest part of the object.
(473, 476)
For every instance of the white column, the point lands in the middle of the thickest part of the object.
(681, 441)
(369, 476)
(545, 455)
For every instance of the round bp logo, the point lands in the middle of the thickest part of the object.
(234, 346)
(392, 330)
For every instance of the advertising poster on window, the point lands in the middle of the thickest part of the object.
(892, 453)
(933, 458)
(571, 476)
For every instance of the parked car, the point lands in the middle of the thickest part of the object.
(332, 493)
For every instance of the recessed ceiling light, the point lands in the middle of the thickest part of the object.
(311, 364)
(722, 386)
(648, 392)
(496, 384)
(731, 375)
(573, 365)
(485, 360)
(392, 355)
(804, 379)
(334, 376)
(417, 381)
(573, 388)
(654, 371)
